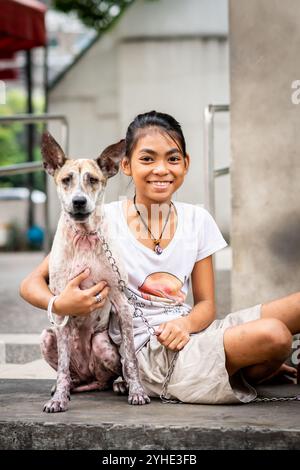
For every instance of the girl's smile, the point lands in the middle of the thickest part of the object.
(160, 185)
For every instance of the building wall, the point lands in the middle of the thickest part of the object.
(265, 235)
(167, 55)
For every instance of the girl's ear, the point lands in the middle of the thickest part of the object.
(109, 160)
(53, 155)
(125, 165)
(187, 162)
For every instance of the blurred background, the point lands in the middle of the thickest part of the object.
(84, 69)
(102, 63)
(227, 70)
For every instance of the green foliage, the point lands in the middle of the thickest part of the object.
(13, 140)
(97, 14)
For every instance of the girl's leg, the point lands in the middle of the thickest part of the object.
(259, 347)
(286, 309)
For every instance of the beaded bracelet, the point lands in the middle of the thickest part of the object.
(50, 314)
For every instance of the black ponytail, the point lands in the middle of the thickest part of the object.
(154, 119)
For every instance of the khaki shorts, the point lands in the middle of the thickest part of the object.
(199, 375)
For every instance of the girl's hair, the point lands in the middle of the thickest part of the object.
(154, 119)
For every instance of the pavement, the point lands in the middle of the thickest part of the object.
(103, 420)
(35, 370)
(18, 317)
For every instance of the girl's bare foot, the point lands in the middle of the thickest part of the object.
(284, 375)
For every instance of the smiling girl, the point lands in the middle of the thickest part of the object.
(184, 353)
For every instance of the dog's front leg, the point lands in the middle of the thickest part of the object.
(136, 393)
(59, 401)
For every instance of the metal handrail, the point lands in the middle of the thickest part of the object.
(31, 118)
(30, 167)
(20, 168)
(210, 173)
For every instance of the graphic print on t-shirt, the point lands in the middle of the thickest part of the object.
(162, 287)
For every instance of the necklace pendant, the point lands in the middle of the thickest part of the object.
(158, 249)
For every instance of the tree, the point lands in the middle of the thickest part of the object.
(13, 140)
(97, 14)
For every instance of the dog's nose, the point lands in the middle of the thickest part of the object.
(79, 202)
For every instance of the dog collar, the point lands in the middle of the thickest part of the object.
(82, 233)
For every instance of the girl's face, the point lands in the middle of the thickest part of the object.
(157, 166)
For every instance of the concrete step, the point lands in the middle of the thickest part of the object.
(36, 370)
(17, 316)
(19, 348)
(102, 420)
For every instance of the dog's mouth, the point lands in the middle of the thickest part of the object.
(79, 216)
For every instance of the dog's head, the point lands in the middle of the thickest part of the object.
(80, 183)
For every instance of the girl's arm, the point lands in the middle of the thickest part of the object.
(34, 289)
(175, 333)
(203, 285)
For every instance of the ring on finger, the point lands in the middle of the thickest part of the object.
(99, 298)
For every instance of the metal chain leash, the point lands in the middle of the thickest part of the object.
(163, 394)
(138, 313)
(269, 399)
(122, 284)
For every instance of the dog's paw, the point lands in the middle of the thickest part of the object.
(56, 405)
(120, 386)
(137, 396)
(138, 399)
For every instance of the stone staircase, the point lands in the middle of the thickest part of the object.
(21, 324)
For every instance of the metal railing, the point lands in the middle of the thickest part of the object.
(31, 167)
(210, 173)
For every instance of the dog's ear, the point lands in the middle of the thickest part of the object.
(109, 160)
(53, 155)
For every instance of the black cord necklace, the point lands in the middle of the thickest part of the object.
(157, 248)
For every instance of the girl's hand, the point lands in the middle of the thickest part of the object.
(78, 302)
(173, 334)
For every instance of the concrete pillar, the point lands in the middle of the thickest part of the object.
(265, 138)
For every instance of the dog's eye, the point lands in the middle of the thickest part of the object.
(93, 180)
(66, 179)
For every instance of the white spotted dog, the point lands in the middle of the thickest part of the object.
(81, 351)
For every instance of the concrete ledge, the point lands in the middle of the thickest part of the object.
(102, 420)
(32, 370)
(19, 348)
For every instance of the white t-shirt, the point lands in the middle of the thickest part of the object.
(158, 284)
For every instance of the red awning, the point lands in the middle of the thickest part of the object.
(8, 74)
(22, 26)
